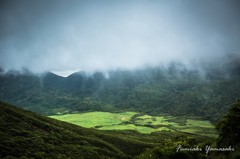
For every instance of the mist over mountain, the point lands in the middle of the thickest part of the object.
(175, 90)
(66, 37)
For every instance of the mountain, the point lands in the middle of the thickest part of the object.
(176, 91)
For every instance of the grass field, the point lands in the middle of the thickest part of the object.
(93, 119)
(142, 129)
(144, 124)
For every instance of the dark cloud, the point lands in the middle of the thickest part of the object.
(73, 35)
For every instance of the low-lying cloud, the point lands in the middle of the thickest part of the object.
(67, 36)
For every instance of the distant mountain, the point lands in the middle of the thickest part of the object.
(174, 90)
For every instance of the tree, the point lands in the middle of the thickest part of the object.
(229, 127)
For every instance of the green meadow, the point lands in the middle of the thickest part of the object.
(144, 124)
(142, 129)
(95, 119)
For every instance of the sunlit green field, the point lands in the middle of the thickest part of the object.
(93, 119)
(144, 124)
(142, 129)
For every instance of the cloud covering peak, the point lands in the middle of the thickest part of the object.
(73, 35)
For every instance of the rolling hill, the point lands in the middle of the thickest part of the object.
(25, 134)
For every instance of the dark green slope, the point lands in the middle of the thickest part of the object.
(178, 97)
(27, 134)
(149, 91)
(42, 93)
(210, 100)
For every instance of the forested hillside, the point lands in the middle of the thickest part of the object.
(25, 134)
(151, 91)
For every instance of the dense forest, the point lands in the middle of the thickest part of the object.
(175, 90)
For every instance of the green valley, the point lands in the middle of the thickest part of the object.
(127, 114)
(151, 91)
(119, 79)
(95, 119)
(25, 134)
(144, 124)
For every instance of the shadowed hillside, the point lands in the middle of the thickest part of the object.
(25, 134)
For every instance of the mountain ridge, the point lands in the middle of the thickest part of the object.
(150, 91)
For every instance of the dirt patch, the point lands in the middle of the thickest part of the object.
(124, 118)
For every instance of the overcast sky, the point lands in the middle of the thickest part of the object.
(77, 35)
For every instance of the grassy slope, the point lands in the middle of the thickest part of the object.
(24, 133)
(93, 119)
(30, 135)
(144, 124)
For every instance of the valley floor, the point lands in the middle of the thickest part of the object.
(145, 124)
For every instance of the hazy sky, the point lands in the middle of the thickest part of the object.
(73, 35)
